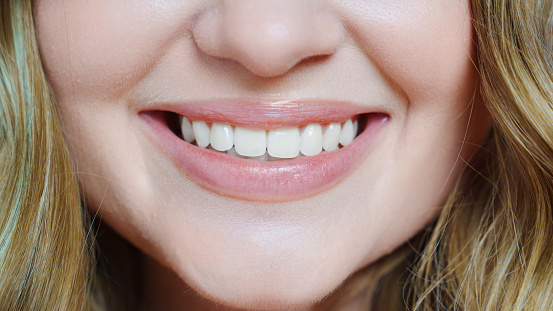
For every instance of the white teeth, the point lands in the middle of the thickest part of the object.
(269, 145)
(331, 137)
(284, 143)
(263, 157)
(202, 133)
(222, 136)
(250, 142)
(187, 132)
(312, 140)
(233, 153)
(347, 135)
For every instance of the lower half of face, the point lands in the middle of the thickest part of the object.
(265, 150)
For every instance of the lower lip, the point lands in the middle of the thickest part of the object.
(274, 181)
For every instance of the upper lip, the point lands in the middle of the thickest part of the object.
(266, 114)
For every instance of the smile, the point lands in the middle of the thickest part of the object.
(269, 145)
(265, 151)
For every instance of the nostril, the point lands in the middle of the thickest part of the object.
(268, 38)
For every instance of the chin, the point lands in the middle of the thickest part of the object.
(278, 277)
(272, 289)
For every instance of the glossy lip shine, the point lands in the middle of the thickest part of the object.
(272, 181)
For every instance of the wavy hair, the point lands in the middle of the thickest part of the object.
(491, 248)
(44, 262)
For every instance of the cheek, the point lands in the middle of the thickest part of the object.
(91, 49)
(425, 48)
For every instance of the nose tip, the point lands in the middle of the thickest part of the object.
(268, 37)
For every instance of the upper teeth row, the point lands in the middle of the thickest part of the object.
(280, 143)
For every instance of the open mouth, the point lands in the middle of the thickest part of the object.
(264, 144)
(257, 153)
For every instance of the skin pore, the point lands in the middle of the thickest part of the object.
(111, 63)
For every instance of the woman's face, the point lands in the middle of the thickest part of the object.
(249, 232)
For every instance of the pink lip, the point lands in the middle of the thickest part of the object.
(266, 115)
(273, 181)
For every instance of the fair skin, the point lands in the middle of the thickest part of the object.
(114, 65)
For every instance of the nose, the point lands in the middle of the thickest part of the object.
(268, 37)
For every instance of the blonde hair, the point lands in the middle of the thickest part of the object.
(490, 249)
(44, 261)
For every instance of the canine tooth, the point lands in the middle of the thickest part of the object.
(347, 135)
(222, 136)
(186, 128)
(284, 143)
(312, 140)
(250, 142)
(355, 128)
(331, 137)
(202, 133)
